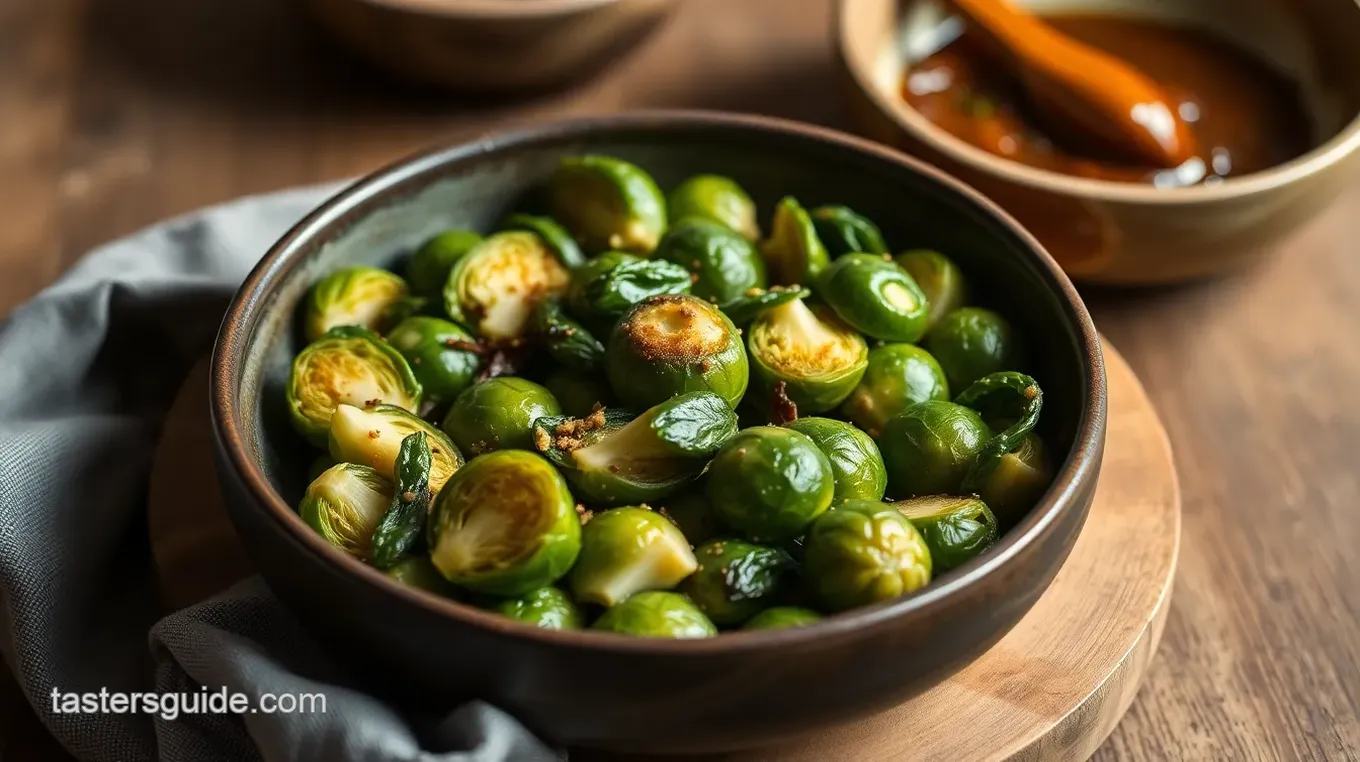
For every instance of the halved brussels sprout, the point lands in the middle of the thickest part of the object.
(436, 350)
(505, 525)
(494, 288)
(793, 254)
(565, 339)
(613, 457)
(940, 280)
(429, 268)
(656, 614)
(855, 461)
(372, 436)
(669, 345)
(749, 305)
(1019, 479)
(862, 553)
(955, 528)
(554, 235)
(344, 505)
(819, 358)
(418, 572)
(930, 447)
(844, 231)
(722, 265)
(691, 511)
(609, 285)
(897, 377)
(354, 296)
(626, 551)
(1010, 404)
(769, 483)
(736, 579)
(875, 296)
(971, 342)
(607, 203)
(350, 366)
(780, 617)
(547, 608)
(498, 414)
(715, 198)
(577, 392)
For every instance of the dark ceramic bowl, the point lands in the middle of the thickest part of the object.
(595, 689)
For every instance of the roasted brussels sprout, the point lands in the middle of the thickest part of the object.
(577, 392)
(769, 483)
(669, 345)
(717, 199)
(780, 617)
(626, 551)
(940, 280)
(856, 463)
(691, 511)
(749, 305)
(955, 528)
(793, 254)
(897, 377)
(1010, 404)
(372, 436)
(971, 342)
(438, 352)
(354, 296)
(494, 288)
(505, 525)
(399, 532)
(736, 579)
(864, 552)
(607, 203)
(1018, 481)
(547, 608)
(429, 268)
(498, 414)
(875, 296)
(844, 231)
(606, 287)
(657, 614)
(554, 235)
(350, 366)
(722, 265)
(565, 339)
(613, 457)
(930, 447)
(344, 505)
(819, 358)
(418, 572)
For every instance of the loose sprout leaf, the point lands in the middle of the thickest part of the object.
(399, 531)
(565, 339)
(748, 307)
(695, 424)
(844, 231)
(634, 280)
(1009, 398)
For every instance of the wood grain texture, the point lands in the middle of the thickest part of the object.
(121, 113)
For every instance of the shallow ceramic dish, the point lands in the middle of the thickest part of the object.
(491, 46)
(1110, 232)
(594, 689)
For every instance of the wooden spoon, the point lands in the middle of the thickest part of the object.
(1085, 89)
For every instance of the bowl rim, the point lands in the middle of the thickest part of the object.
(1078, 468)
(1343, 143)
(492, 9)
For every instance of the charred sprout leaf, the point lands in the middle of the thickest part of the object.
(498, 414)
(607, 203)
(429, 268)
(782, 616)
(722, 265)
(669, 345)
(344, 505)
(793, 253)
(855, 461)
(351, 366)
(373, 437)
(956, 529)
(875, 296)
(749, 305)
(1020, 478)
(930, 447)
(819, 358)
(399, 531)
(547, 608)
(608, 285)
(783, 410)
(769, 483)
(939, 278)
(1008, 399)
(897, 377)
(443, 356)
(844, 231)
(494, 288)
(971, 342)
(626, 551)
(565, 339)
(735, 579)
(354, 296)
(657, 614)
(554, 235)
(862, 553)
(715, 198)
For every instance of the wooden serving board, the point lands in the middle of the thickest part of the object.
(1052, 689)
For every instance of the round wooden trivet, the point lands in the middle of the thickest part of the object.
(1052, 689)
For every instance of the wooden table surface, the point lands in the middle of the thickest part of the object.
(117, 114)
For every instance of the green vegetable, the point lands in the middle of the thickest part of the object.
(607, 286)
(494, 288)
(769, 483)
(819, 358)
(971, 342)
(418, 572)
(1020, 478)
(429, 268)
(793, 254)
(400, 528)
(736, 579)
(626, 551)
(780, 617)
(956, 529)
(875, 296)
(1009, 402)
(350, 366)
(930, 447)
(607, 203)
(669, 345)
(565, 339)
(691, 511)
(714, 198)
(554, 236)
(373, 437)
(438, 352)
(578, 392)
(940, 280)
(498, 414)
(749, 305)
(406, 307)
(722, 265)
(855, 461)
(504, 525)
(344, 505)
(547, 608)
(354, 296)
(897, 377)
(844, 231)
(657, 614)
(862, 553)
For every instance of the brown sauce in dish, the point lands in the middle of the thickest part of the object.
(1245, 115)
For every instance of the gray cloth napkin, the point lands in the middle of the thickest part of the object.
(88, 370)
